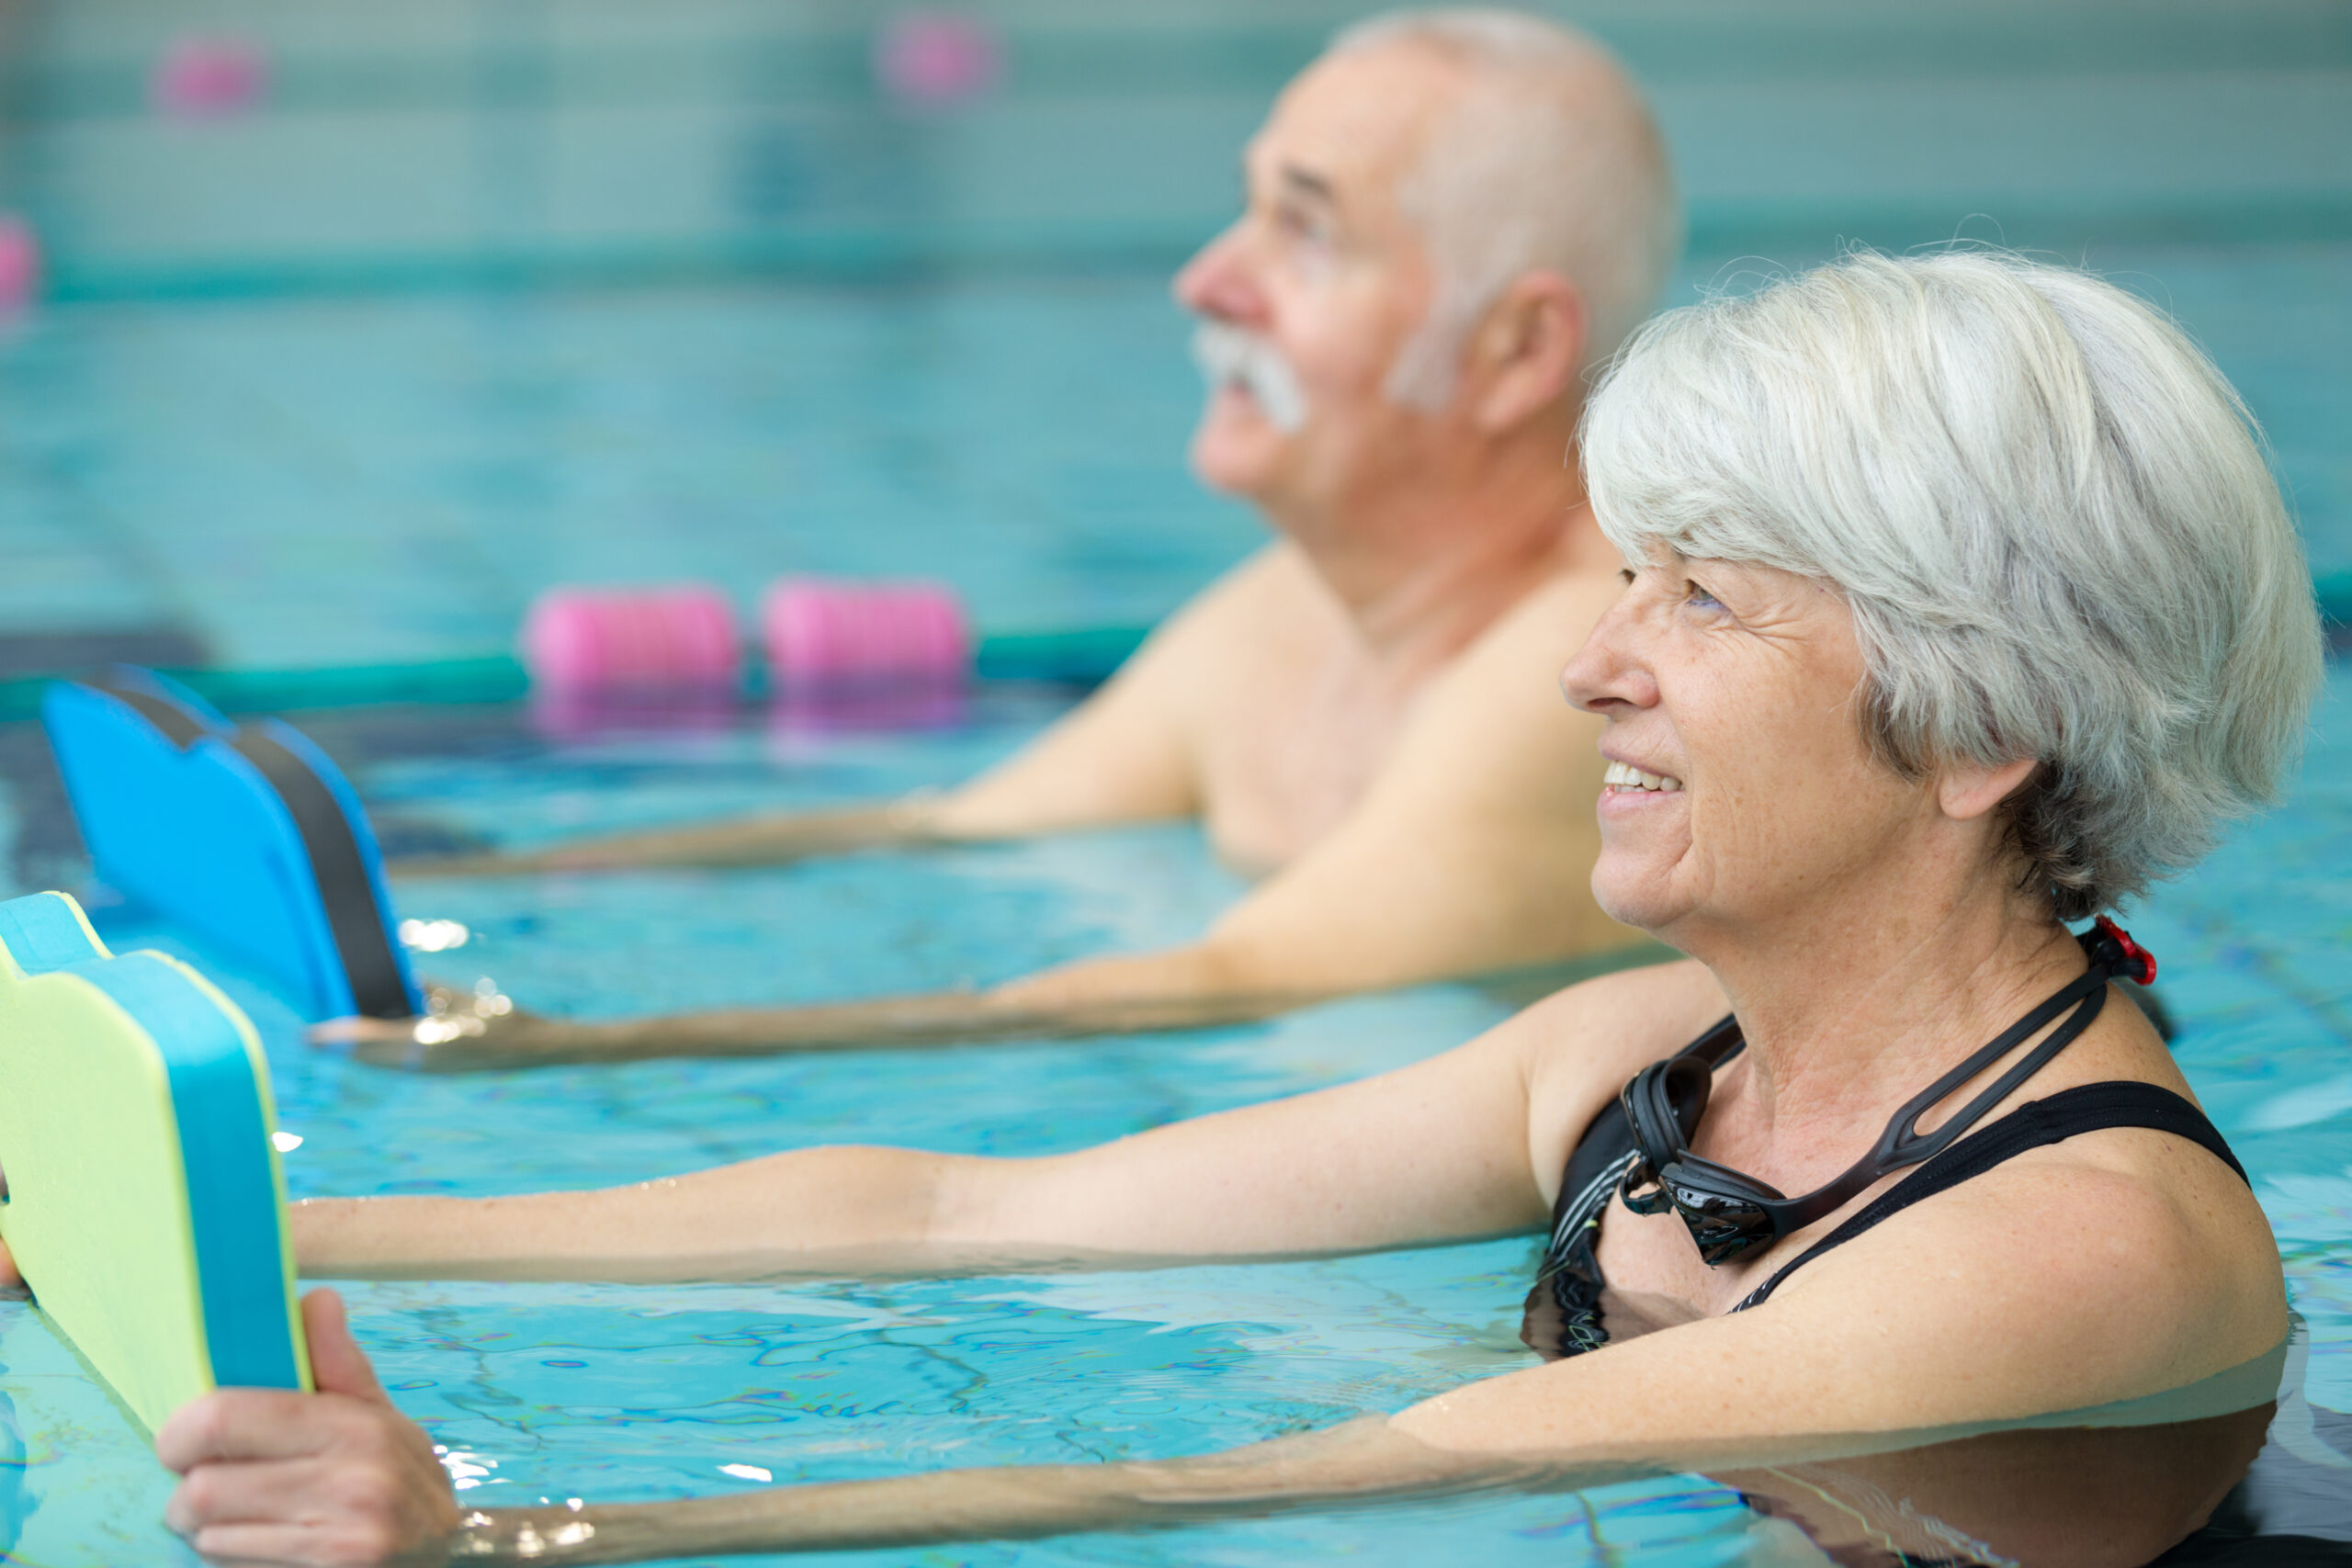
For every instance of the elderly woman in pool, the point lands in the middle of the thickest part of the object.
(1959, 605)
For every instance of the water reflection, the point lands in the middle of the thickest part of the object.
(2080, 1498)
(2175, 1480)
(16, 1502)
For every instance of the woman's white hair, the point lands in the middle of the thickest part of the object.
(1548, 159)
(2049, 514)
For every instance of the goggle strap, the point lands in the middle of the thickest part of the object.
(1719, 1044)
(1900, 1134)
(1712, 1050)
(1901, 1147)
(2110, 950)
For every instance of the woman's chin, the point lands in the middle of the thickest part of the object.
(1642, 901)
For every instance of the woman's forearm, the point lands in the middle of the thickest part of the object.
(1361, 1461)
(826, 1211)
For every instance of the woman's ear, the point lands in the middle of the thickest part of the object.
(1968, 790)
(1526, 352)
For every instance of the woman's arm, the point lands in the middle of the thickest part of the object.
(1967, 1325)
(1360, 1463)
(1986, 1313)
(1439, 1149)
(341, 1477)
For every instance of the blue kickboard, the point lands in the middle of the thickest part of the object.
(246, 837)
(145, 1204)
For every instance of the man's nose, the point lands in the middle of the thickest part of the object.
(1218, 282)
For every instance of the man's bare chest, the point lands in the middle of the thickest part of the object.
(1293, 760)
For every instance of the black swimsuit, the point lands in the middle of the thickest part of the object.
(1564, 1309)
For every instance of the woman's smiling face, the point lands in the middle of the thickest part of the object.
(1741, 787)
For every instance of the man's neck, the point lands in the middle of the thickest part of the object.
(1424, 571)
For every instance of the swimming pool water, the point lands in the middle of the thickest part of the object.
(286, 483)
(638, 1392)
(278, 479)
(289, 481)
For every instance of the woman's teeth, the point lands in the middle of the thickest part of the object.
(1622, 776)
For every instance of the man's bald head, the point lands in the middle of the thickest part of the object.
(1544, 159)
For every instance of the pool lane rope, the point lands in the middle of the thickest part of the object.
(1079, 657)
(1083, 656)
(814, 634)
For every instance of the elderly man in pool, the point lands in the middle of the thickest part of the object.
(1958, 603)
(1451, 217)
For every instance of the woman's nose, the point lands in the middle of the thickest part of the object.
(1607, 671)
(1218, 282)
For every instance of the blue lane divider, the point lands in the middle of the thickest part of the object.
(1081, 657)
(1085, 657)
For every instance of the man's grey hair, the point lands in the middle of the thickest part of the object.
(2049, 514)
(1548, 159)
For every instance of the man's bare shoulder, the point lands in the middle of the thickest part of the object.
(1273, 596)
(1500, 700)
(1235, 625)
(1541, 630)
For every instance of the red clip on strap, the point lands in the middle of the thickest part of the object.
(2143, 962)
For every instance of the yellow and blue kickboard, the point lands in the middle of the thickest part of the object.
(245, 836)
(145, 1207)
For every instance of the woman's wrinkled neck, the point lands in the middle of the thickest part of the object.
(1852, 1004)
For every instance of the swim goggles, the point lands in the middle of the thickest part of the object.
(1732, 1214)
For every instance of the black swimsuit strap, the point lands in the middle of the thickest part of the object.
(2086, 1107)
(1563, 1315)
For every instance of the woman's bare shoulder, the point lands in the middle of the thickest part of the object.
(1580, 1045)
(1639, 1014)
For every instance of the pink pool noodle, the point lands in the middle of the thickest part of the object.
(19, 264)
(935, 59)
(820, 632)
(590, 639)
(203, 78)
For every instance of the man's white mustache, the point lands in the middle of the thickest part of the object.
(1227, 352)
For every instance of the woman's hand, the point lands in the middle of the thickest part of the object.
(335, 1477)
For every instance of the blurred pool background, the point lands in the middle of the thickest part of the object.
(472, 297)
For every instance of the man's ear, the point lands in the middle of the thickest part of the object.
(1526, 352)
(1968, 790)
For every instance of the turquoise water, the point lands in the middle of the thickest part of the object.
(638, 1392)
(287, 480)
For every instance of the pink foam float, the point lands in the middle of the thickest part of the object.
(933, 59)
(584, 639)
(208, 78)
(829, 633)
(19, 264)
